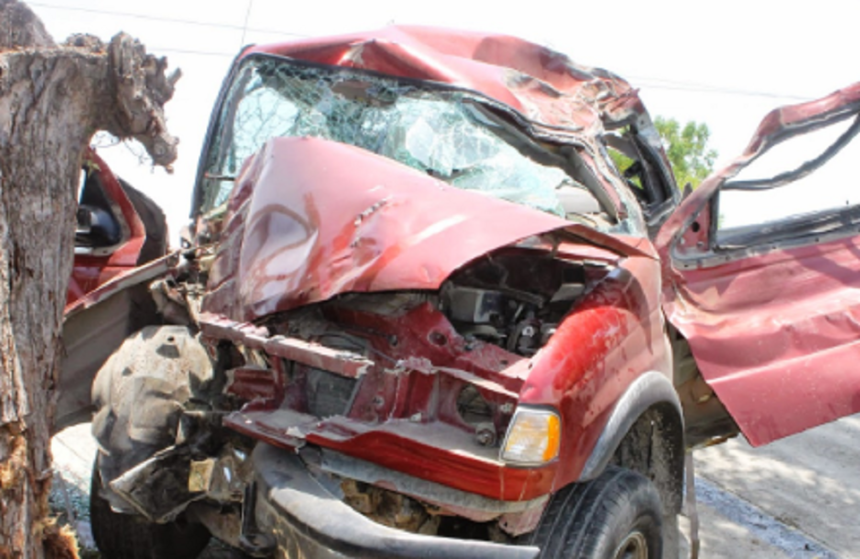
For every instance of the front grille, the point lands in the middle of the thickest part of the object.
(328, 394)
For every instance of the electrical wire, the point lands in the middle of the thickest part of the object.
(157, 50)
(163, 19)
(661, 83)
(245, 26)
(642, 81)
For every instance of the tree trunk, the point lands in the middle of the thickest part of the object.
(52, 99)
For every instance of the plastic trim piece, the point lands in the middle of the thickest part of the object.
(310, 522)
(646, 391)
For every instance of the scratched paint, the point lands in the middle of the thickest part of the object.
(772, 326)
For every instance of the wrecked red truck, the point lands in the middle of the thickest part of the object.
(422, 312)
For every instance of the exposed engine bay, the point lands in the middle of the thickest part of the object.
(512, 301)
(431, 366)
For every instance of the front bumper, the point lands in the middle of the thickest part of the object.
(309, 522)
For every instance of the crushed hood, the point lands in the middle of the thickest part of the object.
(311, 218)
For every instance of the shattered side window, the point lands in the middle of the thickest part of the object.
(793, 186)
(447, 134)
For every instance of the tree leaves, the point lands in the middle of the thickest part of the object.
(687, 149)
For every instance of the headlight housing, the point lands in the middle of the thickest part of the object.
(533, 437)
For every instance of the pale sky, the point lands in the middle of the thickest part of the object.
(724, 63)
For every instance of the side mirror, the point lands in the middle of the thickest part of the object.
(96, 228)
(85, 222)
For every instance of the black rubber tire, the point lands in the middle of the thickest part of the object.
(140, 394)
(592, 520)
(127, 536)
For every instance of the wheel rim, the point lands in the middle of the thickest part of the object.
(634, 546)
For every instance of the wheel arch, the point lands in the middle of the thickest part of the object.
(645, 433)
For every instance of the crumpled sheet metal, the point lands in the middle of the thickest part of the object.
(786, 371)
(314, 218)
(545, 86)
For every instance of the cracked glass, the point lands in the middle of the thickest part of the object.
(447, 134)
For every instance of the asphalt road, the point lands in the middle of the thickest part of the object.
(795, 498)
(798, 498)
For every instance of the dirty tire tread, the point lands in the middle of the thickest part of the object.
(588, 520)
(125, 536)
(139, 395)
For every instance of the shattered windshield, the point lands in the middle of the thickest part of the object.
(448, 134)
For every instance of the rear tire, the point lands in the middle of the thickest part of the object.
(616, 516)
(128, 536)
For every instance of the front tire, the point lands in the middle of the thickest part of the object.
(616, 516)
(129, 536)
(140, 395)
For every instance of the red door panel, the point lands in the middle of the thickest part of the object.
(778, 337)
(772, 315)
(95, 266)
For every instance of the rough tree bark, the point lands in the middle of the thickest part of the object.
(52, 99)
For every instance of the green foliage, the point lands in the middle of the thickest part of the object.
(623, 162)
(687, 149)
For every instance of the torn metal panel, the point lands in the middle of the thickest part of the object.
(161, 487)
(95, 325)
(313, 355)
(448, 500)
(281, 428)
(772, 321)
(393, 399)
(129, 278)
(444, 393)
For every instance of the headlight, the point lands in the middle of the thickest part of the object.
(533, 437)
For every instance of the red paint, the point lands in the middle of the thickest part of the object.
(250, 383)
(421, 364)
(617, 333)
(293, 349)
(544, 85)
(90, 271)
(311, 219)
(325, 218)
(776, 333)
(158, 268)
(389, 449)
(557, 96)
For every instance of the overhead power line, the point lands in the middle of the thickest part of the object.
(156, 50)
(660, 83)
(166, 19)
(245, 26)
(642, 81)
